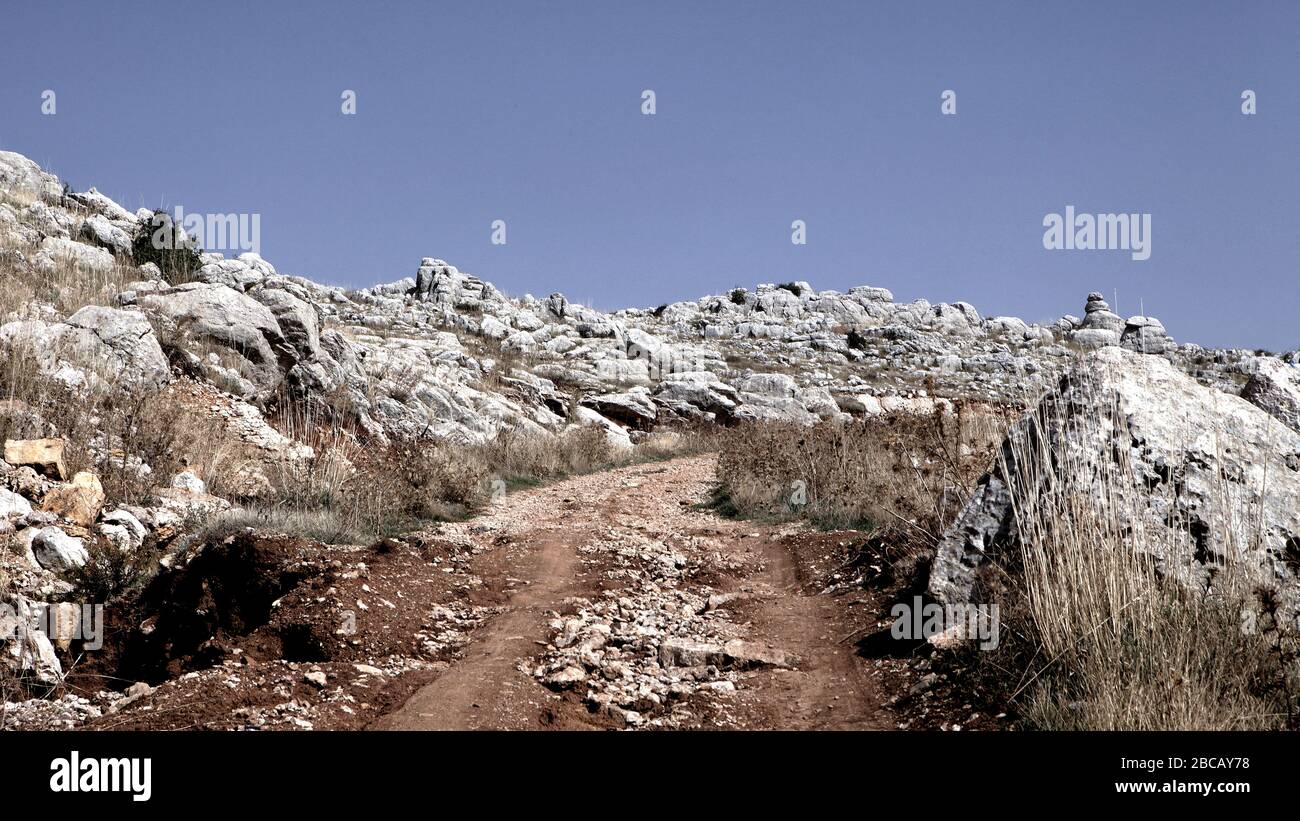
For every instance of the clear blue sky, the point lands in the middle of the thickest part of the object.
(767, 112)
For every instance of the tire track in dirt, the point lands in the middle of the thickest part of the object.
(485, 690)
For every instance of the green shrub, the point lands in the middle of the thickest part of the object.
(164, 243)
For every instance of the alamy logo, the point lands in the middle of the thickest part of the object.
(60, 623)
(1248, 102)
(128, 775)
(798, 493)
(1100, 232)
(213, 232)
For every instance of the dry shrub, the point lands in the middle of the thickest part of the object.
(1097, 632)
(111, 574)
(901, 470)
(674, 442)
(520, 457)
(114, 433)
(355, 494)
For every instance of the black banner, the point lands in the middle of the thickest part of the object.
(147, 772)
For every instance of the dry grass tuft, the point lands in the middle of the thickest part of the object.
(68, 287)
(902, 470)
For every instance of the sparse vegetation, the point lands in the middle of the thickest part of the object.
(904, 471)
(349, 493)
(166, 245)
(112, 574)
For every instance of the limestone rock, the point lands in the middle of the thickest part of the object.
(1274, 387)
(12, 505)
(1216, 450)
(57, 551)
(24, 647)
(247, 330)
(45, 455)
(1146, 334)
(78, 501)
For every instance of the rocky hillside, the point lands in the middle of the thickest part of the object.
(446, 354)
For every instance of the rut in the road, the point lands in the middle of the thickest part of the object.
(548, 545)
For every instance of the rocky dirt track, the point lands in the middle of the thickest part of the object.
(631, 607)
(606, 601)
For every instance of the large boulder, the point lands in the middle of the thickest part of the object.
(642, 345)
(12, 505)
(770, 385)
(775, 397)
(633, 408)
(317, 370)
(299, 321)
(104, 206)
(17, 173)
(196, 315)
(123, 529)
(122, 340)
(232, 273)
(97, 230)
(695, 395)
(444, 284)
(615, 435)
(1204, 476)
(96, 348)
(1274, 387)
(1146, 334)
(59, 256)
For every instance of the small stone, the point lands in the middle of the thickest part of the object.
(79, 501)
(566, 677)
(315, 678)
(187, 480)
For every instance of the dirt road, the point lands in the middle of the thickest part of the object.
(626, 605)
